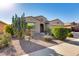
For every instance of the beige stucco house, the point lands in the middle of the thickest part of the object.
(41, 23)
(55, 22)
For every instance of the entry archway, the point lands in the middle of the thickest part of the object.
(41, 27)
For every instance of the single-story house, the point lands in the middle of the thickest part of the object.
(68, 25)
(41, 23)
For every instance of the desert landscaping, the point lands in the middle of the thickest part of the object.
(36, 36)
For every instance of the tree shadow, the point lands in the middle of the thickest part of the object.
(53, 42)
(29, 47)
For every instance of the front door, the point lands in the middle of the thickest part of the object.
(41, 27)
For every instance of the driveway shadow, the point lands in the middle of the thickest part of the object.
(29, 47)
(72, 42)
(45, 52)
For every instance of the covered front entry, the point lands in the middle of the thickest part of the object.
(41, 28)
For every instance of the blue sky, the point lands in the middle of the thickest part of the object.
(66, 12)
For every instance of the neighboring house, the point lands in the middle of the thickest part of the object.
(70, 25)
(73, 26)
(56, 22)
(67, 25)
(2, 26)
(41, 23)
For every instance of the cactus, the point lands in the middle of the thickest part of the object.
(19, 25)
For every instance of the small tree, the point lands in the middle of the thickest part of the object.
(29, 26)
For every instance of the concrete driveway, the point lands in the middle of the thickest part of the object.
(69, 48)
(76, 34)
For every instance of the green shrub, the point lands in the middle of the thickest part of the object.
(5, 40)
(70, 35)
(9, 29)
(59, 32)
(30, 25)
(69, 30)
(47, 38)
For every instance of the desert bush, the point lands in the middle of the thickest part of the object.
(9, 29)
(30, 26)
(47, 38)
(70, 35)
(5, 40)
(59, 32)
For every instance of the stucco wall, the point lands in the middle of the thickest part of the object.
(2, 27)
(56, 23)
(42, 20)
(37, 21)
